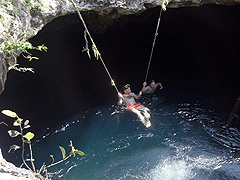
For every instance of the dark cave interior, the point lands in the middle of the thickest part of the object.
(196, 56)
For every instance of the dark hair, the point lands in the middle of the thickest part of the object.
(151, 81)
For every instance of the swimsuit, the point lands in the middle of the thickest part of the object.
(133, 106)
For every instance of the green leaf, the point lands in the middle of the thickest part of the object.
(52, 158)
(9, 113)
(29, 136)
(27, 126)
(63, 152)
(31, 58)
(72, 153)
(17, 122)
(13, 147)
(26, 122)
(42, 47)
(13, 133)
(79, 152)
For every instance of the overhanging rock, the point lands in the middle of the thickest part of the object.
(20, 17)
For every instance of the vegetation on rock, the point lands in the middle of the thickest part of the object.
(26, 138)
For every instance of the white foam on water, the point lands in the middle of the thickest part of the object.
(183, 166)
(171, 170)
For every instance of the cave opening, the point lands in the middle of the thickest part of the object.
(196, 56)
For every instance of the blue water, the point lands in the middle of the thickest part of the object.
(186, 141)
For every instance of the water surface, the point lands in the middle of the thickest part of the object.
(186, 141)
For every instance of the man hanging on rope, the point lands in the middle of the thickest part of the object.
(151, 88)
(128, 99)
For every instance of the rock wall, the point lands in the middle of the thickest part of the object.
(8, 171)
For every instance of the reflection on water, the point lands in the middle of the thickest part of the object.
(186, 141)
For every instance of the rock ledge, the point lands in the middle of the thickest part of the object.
(8, 171)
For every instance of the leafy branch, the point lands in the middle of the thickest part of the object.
(11, 49)
(21, 69)
(3, 123)
(26, 139)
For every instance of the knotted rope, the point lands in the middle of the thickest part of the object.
(94, 47)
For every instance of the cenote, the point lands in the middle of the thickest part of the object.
(69, 97)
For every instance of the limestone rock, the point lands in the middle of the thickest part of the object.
(8, 171)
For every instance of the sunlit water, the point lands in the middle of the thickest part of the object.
(186, 141)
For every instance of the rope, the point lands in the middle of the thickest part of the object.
(163, 7)
(94, 47)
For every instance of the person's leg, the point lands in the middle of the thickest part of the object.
(139, 115)
(143, 119)
(146, 115)
(145, 111)
(144, 108)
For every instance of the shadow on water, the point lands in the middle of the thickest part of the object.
(181, 144)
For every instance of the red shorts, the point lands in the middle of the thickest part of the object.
(132, 106)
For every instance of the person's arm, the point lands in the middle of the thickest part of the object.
(160, 85)
(120, 99)
(144, 87)
(134, 95)
(140, 93)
